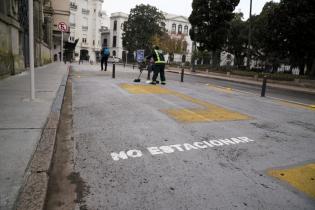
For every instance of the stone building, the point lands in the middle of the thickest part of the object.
(176, 26)
(13, 37)
(14, 40)
(87, 21)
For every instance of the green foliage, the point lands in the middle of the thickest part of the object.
(292, 32)
(143, 23)
(237, 39)
(210, 19)
(170, 45)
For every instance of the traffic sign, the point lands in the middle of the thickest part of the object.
(140, 55)
(62, 27)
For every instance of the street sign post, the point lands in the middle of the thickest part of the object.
(63, 28)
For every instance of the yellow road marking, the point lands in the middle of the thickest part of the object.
(210, 112)
(300, 177)
(221, 89)
(294, 105)
(144, 89)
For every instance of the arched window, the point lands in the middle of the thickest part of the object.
(173, 28)
(114, 52)
(185, 29)
(180, 29)
(115, 25)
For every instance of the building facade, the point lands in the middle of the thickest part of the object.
(61, 10)
(176, 26)
(87, 21)
(14, 37)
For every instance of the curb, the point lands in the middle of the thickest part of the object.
(274, 85)
(33, 193)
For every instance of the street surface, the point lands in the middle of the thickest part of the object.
(189, 145)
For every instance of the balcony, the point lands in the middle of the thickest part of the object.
(73, 6)
(85, 11)
(72, 25)
(85, 28)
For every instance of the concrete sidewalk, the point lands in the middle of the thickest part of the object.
(22, 123)
(247, 80)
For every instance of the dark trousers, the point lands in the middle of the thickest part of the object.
(104, 60)
(158, 68)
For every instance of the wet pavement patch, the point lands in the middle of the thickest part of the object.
(300, 177)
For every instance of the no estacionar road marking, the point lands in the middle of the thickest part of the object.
(159, 150)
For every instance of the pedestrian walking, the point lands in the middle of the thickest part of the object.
(158, 66)
(105, 54)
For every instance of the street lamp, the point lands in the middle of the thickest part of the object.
(31, 46)
(249, 36)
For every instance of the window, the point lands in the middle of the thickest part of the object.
(71, 38)
(93, 42)
(114, 53)
(173, 28)
(115, 25)
(72, 18)
(180, 28)
(105, 42)
(114, 41)
(186, 30)
(84, 40)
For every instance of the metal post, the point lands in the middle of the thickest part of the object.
(249, 36)
(113, 73)
(61, 50)
(133, 66)
(182, 75)
(31, 46)
(263, 88)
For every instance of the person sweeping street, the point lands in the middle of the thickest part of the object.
(158, 66)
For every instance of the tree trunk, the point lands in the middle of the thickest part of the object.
(301, 68)
(312, 69)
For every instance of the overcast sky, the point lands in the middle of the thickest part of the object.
(180, 7)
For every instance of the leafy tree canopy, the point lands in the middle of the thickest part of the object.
(144, 22)
(210, 22)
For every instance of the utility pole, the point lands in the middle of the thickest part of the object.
(249, 37)
(31, 45)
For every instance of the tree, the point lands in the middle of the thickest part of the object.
(144, 22)
(237, 39)
(170, 44)
(292, 26)
(210, 22)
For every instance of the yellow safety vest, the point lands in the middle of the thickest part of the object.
(159, 61)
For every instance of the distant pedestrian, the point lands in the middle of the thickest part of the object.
(105, 54)
(158, 66)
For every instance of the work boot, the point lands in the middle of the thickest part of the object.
(163, 83)
(153, 83)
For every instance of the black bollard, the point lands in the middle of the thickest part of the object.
(113, 75)
(124, 65)
(263, 88)
(133, 66)
(182, 75)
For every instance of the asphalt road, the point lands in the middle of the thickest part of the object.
(300, 97)
(187, 145)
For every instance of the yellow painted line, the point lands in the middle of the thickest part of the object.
(144, 89)
(221, 89)
(300, 177)
(208, 112)
(295, 105)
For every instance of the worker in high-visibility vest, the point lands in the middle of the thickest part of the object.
(159, 65)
